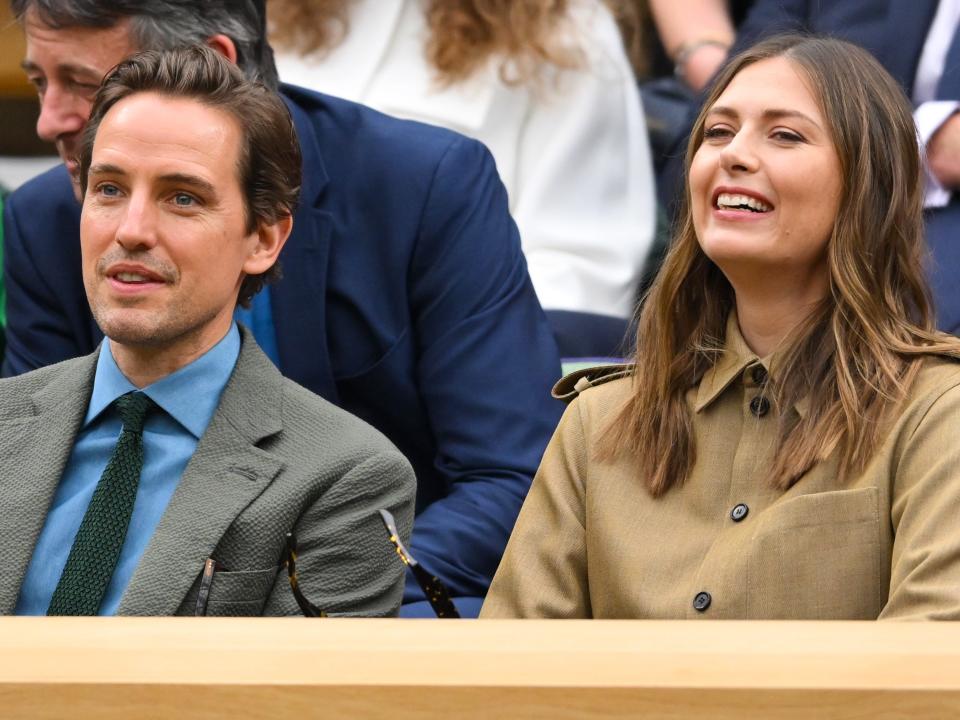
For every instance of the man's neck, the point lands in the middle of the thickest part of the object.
(144, 365)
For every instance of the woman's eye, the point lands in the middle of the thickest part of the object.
(716, 133)
(787, 136)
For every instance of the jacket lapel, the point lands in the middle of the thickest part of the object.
(37, 446)
(299, 299)
(227, 472)
(949, 85)
(906, 32)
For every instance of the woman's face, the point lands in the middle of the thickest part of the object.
(765, 183)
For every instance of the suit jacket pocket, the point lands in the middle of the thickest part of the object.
(240, 592)
(818, 557)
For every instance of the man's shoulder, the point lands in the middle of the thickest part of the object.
(49, 189)
(40, 205)
(16, 393)
(320, 428)
(346, 126)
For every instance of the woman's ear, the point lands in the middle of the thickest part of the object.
(225, 46)
(271, 238)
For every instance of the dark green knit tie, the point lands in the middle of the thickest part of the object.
(99, 540)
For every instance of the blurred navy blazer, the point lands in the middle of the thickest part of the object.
(405, 300)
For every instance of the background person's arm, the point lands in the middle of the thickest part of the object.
(487, 360)
(696, 35)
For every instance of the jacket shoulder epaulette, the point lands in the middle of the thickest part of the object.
(571, 385)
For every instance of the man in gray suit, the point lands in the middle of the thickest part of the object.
(161, 474)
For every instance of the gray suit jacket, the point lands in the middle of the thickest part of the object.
(274, 458)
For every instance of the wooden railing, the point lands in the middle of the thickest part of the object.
(294, 668)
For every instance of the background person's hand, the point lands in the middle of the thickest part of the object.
(943, 152)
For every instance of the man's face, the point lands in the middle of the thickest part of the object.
(163, 231)
(66, 67)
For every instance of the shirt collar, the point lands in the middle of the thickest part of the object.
(190, 395)
(735, 357)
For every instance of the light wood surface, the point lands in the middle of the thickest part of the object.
(294, 668)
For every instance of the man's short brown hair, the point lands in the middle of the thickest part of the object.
(269, 159)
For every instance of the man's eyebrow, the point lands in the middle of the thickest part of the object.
(87, 72)
(170, 178)
(106, 169)
(771, 114)
(191, 180)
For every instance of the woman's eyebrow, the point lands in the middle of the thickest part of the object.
(770, 114)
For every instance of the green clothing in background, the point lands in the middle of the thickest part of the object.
(3, 289)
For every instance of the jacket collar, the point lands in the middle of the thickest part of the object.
(735, 358)
(314, 177)
(299, 299)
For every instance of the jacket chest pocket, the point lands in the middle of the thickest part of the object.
(818, 557)
(240, 592)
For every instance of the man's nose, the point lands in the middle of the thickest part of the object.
(61, 113)
(138, 226)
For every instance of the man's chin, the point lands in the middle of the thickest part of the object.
(129, 328)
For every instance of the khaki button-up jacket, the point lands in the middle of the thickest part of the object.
(592, 542)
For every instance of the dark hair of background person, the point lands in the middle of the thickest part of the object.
(857, 353)
(463, 34)
(167, 24)
(269, 156)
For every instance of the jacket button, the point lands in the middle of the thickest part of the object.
(739, 512)
(702, 601)
(759, 406)
(759, 374)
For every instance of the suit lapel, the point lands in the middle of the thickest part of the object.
(299, 299)
(227, 473)
(37, 447)
(949, 86)
(906, 32)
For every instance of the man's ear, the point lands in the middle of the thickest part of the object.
(223, 45)
(270, 241)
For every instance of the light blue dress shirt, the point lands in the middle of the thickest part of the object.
(189, 398)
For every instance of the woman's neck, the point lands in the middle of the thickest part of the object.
(766, 318)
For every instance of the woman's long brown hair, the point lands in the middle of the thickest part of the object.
(856, 355)
(464, 34)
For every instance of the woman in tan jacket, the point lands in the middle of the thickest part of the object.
(787, 444)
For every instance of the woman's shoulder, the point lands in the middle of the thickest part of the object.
(596, 392)
(571, 385)
(938, 374)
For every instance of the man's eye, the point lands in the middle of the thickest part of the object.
(39, 83)
(184, 200)
(108, 190)
(84, 88)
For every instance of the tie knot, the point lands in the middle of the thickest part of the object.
(133, 408)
